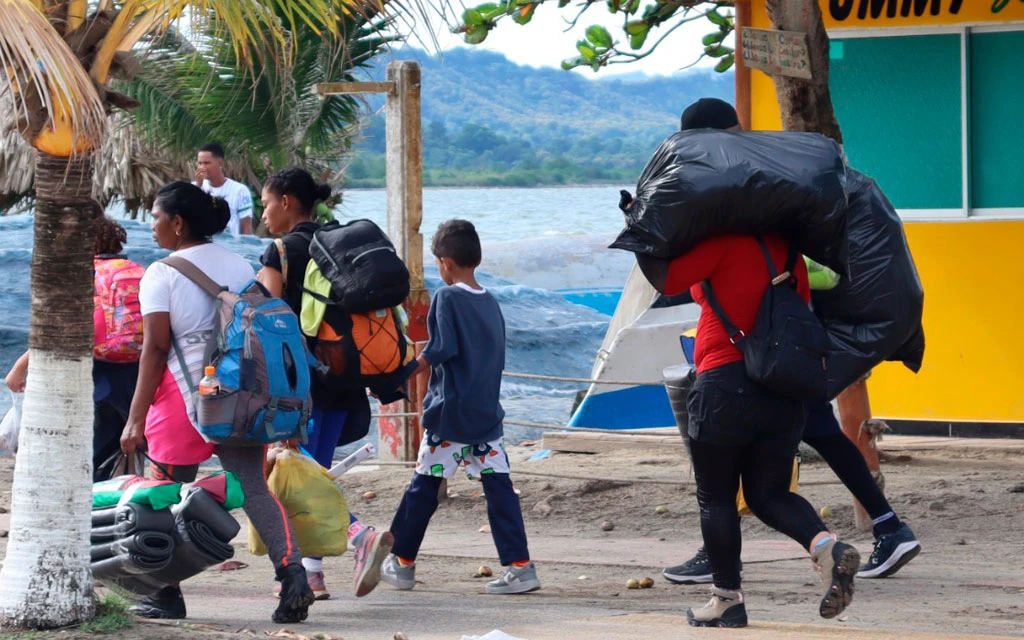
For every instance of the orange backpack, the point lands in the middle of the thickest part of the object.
(353, 349)
(117, 314)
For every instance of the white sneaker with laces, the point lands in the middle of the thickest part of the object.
(399, 577)
(515, 580)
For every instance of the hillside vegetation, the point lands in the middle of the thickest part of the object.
(490, 122)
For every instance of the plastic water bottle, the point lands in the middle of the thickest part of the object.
(210, 384)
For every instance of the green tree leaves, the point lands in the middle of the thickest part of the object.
(599, 48)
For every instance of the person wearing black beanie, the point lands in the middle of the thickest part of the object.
(895, 544)
(710, 113)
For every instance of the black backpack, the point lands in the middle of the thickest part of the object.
(362, 266)
(786, 350)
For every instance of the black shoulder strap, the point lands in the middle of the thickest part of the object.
(735, 334)
(791, 256)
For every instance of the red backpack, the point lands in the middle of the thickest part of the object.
(117, 315)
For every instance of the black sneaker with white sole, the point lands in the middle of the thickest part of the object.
(891, 553)
(165, 604)
(696, 570)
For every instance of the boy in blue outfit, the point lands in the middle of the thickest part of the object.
(462, 417)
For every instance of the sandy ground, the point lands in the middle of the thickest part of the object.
(968, 511)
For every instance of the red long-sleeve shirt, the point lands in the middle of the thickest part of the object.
(736, 268)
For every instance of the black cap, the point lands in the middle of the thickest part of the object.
(709, 113)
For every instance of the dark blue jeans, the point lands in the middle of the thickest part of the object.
(503, 512)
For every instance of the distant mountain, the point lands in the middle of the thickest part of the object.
(540, 121)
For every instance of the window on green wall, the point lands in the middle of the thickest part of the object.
(898, 100)
(997, 119)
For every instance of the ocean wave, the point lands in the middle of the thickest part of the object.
(546, 334)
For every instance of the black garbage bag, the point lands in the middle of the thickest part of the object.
(705, 183)
(875, 314)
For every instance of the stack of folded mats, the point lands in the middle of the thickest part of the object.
(143, 548)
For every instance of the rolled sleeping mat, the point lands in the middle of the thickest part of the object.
(201, 539)
(107, 534)
(123, 566)
(140, 517)
(104, 517)
(132, 518)
(200, 506)
(188, 560)
(150, 544)
(205, 540)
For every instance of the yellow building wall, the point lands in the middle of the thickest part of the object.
(972, 274)
(973, 277)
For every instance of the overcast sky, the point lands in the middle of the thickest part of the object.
(545, 41)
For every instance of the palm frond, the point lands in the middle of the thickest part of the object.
(17, 157)
(253, 28)
(193, 91)
(44, 74)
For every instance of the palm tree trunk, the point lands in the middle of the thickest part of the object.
(46, 581)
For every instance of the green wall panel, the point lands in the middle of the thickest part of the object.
(898, 101)
(997, 119)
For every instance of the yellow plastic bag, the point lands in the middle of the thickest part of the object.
(315, 505)
(741, 504)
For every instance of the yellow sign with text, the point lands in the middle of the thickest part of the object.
(840, 14)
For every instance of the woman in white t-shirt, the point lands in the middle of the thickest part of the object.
(184, 219)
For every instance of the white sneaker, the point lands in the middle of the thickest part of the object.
(399, 577)
(515, 580)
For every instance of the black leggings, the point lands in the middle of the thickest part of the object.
(848, 463)
(766, 474)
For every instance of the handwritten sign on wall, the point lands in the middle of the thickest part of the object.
(781, 53)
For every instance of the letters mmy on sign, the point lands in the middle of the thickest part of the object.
(782, 53)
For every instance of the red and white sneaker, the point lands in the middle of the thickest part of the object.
(316, 583)
(371, 551)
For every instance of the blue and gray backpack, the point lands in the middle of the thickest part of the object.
(260, 355)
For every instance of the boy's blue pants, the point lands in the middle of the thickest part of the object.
(503, 512)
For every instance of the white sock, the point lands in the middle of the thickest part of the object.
(313, 565)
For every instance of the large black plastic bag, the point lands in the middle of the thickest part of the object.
(705, 183)
(875, 314)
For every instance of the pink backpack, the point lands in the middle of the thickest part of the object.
(117, 315)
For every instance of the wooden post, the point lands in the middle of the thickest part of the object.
(400, 436)
(855, 416)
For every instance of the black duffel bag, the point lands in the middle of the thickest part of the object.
(706, 183)
(362, 266)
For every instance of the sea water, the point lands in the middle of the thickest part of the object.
(545, 245)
